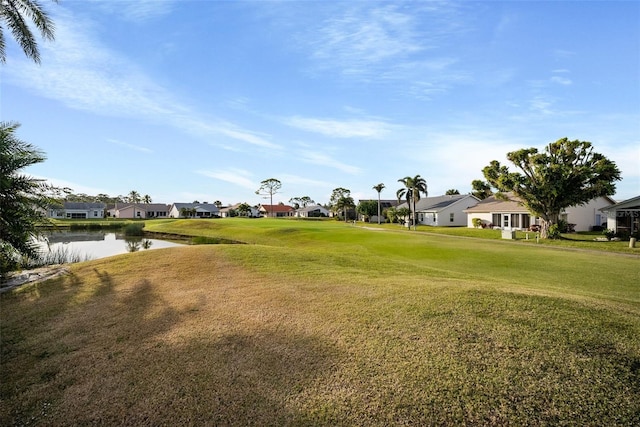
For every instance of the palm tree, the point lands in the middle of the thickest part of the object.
(146, 199)
(378, 188)
(411, 192)
(13, 15)
(133, 198)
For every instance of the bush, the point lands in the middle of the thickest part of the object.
(609, 234)
(554, 231)
(477, 222)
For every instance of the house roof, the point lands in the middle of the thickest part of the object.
(276, 208)
(142, 206)
(435, 204)
(210, 207)
(312, 208)
(494, 204)
(632, 203)
(83, 205)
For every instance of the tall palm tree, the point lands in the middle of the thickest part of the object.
(134, 196)
(146, 199)
(378, 188)
(14, 15)
(411, 192)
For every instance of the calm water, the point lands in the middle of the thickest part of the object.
(100, 244)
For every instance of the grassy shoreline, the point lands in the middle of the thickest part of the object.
(322, 323)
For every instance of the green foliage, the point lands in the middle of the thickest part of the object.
(341, 201)
(567, 173)
(481, 189)
(477, 222)
(14, 15)
(413, 187)
(367, 208)
(24, 200)
(451, 192)
(609, 234)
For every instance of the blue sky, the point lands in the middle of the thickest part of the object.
(202, 100)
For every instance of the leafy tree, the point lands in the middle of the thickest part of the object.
(146, 199)
(392, 214)
(269, 187)
(341, 200)
(403, 213)
(24, 200)
(379, 188)
(133, 197)
(367, 208)
(218, 204)
(452, 192)
(14, 15)
(481, 189)
(244, 209)
(567, 173)
(413, 187)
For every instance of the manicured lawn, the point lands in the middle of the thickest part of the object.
(322, 323)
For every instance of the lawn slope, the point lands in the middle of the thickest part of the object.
(325, 324)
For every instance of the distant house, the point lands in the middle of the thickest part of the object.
(443, 211)
(193, 210)
(226, 211)
(276, 211)
(77, 210)
(139, 210)
(623, 217)
(511, 214)
(312, 212)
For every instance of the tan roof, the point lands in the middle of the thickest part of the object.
(493, 204)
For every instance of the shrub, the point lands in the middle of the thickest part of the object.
(609, 234)
(477, 222)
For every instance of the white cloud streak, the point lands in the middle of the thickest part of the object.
(84, 75)
(341, 129)
(321, 159)
(239, 177)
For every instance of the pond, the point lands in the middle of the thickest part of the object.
(70, 246)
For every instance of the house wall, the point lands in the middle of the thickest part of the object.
(588, 215)
(174, 212)
(486, 218)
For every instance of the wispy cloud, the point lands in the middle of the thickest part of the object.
(136, 11)
(387, 42)
(239, 177)
(341, 128)
(84, 75)
(322, 159)
(129, 146)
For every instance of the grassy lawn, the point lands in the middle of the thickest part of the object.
(323, 323)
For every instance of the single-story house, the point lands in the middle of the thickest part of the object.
(623, 217)
(443, 211)
(193, 210)
(312, 212)
(226, 211)
(276, 211)
(510, 214)
(139, 210)
(77, 210)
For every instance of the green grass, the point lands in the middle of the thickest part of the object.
(322, 323)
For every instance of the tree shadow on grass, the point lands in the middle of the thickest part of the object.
(110, 355)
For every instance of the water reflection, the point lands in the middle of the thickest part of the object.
(99, 244)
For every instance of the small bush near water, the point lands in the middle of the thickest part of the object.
(134, 229)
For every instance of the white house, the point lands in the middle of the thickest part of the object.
(193, 210)
(312, 212)
(77, 210)
(623, 217)
(139, 210)
(226, 211)
(443, 211)
(510, 214)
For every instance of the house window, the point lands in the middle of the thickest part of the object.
(451, 217)
(495, 219)
(505, 219)
(95, 213)
(515, 220)
(526, 221)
